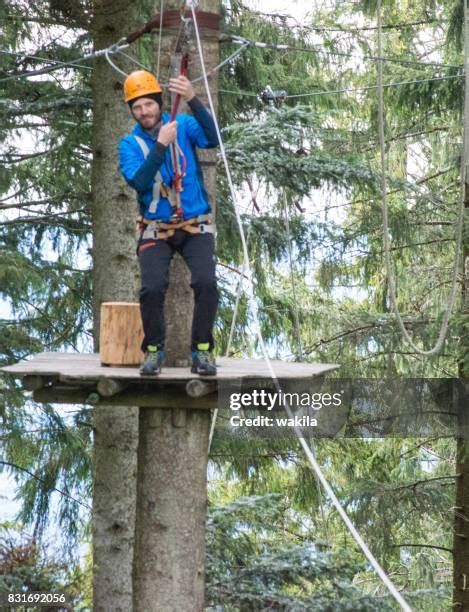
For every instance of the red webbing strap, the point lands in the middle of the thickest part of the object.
(177, 179)
(183, 72)
(172, 19)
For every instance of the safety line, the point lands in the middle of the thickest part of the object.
(239, 291)
(299, 346)
(319, 49)
(299, 352)
(223, 63)
(348, 90)
(386, 240)
(253, 306)
(115, 48)
(116, 68)
(134, 60)
(37, 58)
(197, 79)
(159, 38)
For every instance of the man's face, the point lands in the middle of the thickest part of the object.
(146, 112)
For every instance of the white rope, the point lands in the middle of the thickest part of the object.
(296, 318)
(159, 39)
(386, 241)
(299, 351)
(223, 63)
(135, 61)
(239, 291)
(253, 305)
(116, 68)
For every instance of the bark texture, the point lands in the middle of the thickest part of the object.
(461, 529)
(115, 266)
(461, 509)
(115, 278)
(115, 451)
(171, 510)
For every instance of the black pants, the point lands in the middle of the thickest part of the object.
(155, 257)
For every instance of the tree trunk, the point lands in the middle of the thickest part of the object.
(169, 566)
(171, 510)
(115, 451)
(461, 510)
(115, 278)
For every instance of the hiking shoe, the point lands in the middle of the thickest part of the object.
(203, 362)
(152, 362)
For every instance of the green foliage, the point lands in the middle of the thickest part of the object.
(258, 558)
(27, 567)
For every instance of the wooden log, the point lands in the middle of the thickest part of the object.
(172, 400)
(121, 334)
(33, 382)
(107, 387)
(199, 388)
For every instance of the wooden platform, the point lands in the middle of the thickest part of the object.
(80, 378)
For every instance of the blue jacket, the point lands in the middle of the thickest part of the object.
(197, 131)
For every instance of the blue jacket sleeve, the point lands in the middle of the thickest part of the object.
(140, 173)
(201, 127)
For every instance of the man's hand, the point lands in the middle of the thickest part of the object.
(167, 133)
(182, 86)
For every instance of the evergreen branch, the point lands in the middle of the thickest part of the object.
(415, 484)
(283, 18)
(20, 157)
(231, 268)
(405, 136)
(57, 200)
(420, 181)
(42, 481)
(396, 416)
(387, 353)
(415, 244)
(58, 220)
(62, 336)
(418, 446)
(339, 336)
(450, 550)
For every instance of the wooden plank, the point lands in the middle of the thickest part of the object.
(70, 367)
(170, 399)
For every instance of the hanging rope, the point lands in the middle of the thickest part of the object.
(111, 63)
(296, 318)
(254, 310)
(159, 38)
(239, 291)
(386, 241)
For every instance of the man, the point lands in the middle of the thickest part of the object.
(158, 159)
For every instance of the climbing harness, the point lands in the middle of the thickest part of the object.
(161, 230)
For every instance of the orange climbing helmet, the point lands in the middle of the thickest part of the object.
(140, 83)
